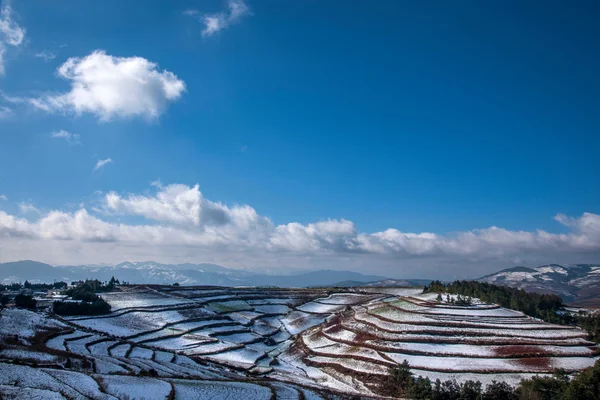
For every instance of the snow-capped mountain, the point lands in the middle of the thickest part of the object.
(574, 282)
(151, 272)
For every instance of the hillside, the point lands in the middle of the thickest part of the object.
(248, 343)
(578, 284)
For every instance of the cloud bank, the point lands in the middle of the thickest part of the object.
(176, 223)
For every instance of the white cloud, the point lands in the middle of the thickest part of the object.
(46, 55)
(111, 87)
(11, 33)
(176, 204)
(3, 197)
(102, 163)
(177, 222)
(28, 208)
(214, 23)
(71, 138)
(5, 112)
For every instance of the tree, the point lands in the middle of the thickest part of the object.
(439, 298)
(447, 390)
(470, 390)
(4, 300)
(398, 380)
(586, 385)
(420, 389)
(542, 388)
(112, 283)
(499, 391)
(25, 301)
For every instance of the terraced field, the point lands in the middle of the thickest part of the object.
(209, 342)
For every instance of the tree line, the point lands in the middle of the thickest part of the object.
(33, 286)
(89, 303)
(400, 382)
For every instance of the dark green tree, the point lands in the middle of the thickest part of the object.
(420, 389)
(586, 385)
(25, 301)
(398, 381)
(499, 391)
(470, 390)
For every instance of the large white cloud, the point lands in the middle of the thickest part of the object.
(11, 34)
(111, 87)
(179, 224)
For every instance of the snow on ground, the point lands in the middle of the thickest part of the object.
(262, 328)
(399, 315)
(296, 322)
(134, 387)
(109, 366)
(344, 298)
(319, 308)
(163, 356)
(120, 350)
(23, 376)
(58, 341)
(408, 328)
(79, 345)
(183, 343)
(21, 354)
(243, 317)
(245, 337)
(101, 348)
(470, 364)
(210, 348)
(473, 311)
(132, 299)
(272, 308)
(479, 351)
(229, 306)
(339, 349)
(83, 383)
(140, 352)
(14, 321)
(285, 301)
(207, 390)
(240, 357)
(131, 323)
(18, 393)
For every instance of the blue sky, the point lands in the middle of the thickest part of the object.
(429, 118)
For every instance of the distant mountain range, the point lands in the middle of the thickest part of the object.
(151, 272)
(578, 284)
